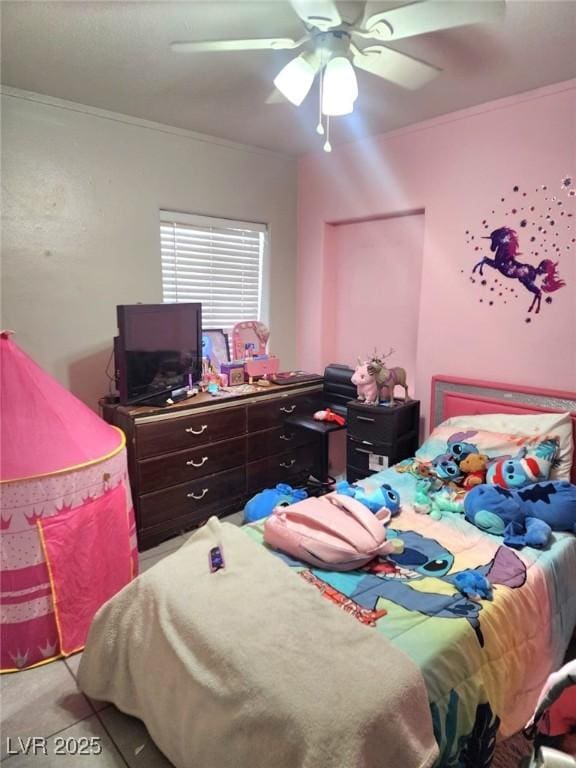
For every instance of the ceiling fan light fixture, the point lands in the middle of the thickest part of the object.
(340, 87)
(295, 79)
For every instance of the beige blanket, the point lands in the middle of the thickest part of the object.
(250, 667)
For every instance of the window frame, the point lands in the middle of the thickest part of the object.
(176, 218)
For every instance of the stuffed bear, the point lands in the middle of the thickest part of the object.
(474, 468)
(524, 517)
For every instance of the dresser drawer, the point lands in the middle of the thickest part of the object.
(160, 437)
(353, 474)
(180, 467)
(197, 500)
(358, 453)
(290, 467)
(272, 441)
(382, 424)
(272, 414)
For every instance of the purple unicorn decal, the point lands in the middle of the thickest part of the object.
(504, 243)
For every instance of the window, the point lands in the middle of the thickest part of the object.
(215, 261)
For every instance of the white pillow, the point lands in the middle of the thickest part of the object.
(550, 424)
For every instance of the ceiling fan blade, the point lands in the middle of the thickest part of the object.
(258, 44)
(321, 14)
(397, 67)
(422, 17)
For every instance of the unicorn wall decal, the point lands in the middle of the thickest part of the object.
(504, 243)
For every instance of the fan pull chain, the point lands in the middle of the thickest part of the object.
(327, 146)
(320, 127)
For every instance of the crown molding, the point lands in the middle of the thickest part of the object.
(452, 117)
(118, 117)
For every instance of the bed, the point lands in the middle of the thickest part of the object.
(410, 673)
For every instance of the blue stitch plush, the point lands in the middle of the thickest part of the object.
(473, 584)
(525, 468)
(263, 503)
(525, 517)
(383, 496)
(446, 468)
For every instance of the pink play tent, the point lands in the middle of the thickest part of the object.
(67, 535)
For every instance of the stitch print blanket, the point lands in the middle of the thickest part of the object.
(484, 662)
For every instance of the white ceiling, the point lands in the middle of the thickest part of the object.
(116, 56)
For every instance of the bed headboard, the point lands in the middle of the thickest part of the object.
(462, 397)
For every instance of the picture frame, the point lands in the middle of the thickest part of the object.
(215, 346)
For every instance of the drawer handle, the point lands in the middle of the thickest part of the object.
(365, 418)
(192, 463)
(193, 495)
(287, 437)
(288, 464)
(193, 431)
(290, 409)
(361, 450)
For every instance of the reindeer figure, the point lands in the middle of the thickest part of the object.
(387, 378)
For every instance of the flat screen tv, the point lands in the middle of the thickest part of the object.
(158, 350)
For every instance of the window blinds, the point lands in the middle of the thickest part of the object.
(217, 262)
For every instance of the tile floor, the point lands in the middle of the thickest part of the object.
(46, 702)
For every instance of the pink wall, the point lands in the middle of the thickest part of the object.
(456, 169)
(376, 268)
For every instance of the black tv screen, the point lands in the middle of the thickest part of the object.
(159, 349)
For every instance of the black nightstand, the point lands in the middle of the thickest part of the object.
(379, 436)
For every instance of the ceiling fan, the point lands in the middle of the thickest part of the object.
(338, 46)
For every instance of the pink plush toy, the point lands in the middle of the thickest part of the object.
(366, 385)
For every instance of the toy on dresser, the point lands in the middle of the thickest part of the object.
(234, 371)
(388, 378)
(374, 381)
(212, 381)
(365, 381)
(249, 342)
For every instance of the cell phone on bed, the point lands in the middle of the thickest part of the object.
(216, 559)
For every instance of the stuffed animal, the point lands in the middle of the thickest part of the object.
(387, 378)
(524, 517)
(458, 448)
(445, 467)
(329, 415)
(473, 585)
(434, 504)
(382, 498)
(366, 385)
(523, 469)
(474, 468)
(264, 503)
(422, 500)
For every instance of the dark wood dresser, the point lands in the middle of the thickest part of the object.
(380, 436)
(207, 456)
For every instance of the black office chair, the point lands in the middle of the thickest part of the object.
(337, 392)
